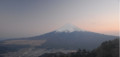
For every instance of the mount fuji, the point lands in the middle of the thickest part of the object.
(66, 37)
(72, 37)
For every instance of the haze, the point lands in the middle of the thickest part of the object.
(26, 18)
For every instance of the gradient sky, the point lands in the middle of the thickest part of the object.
(26, 18)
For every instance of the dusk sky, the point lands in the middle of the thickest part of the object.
(26, 18)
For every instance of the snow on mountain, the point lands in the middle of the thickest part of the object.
(69, 28)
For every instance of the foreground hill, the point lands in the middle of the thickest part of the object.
(106, 49)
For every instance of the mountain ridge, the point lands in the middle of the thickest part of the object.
(74, 39)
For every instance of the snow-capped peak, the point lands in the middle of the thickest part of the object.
(69, 28)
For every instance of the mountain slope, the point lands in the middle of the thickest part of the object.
(74, 40)
(69, 37)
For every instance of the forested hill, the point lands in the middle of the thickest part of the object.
(106, 49)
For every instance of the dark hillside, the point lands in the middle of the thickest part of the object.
(106, 49)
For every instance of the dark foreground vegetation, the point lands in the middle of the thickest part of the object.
(10, 48)
(106, 49)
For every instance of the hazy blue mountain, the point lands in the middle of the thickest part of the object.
(66, 37)
(71, 37)
(74, 40)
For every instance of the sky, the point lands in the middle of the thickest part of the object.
(27, 18)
